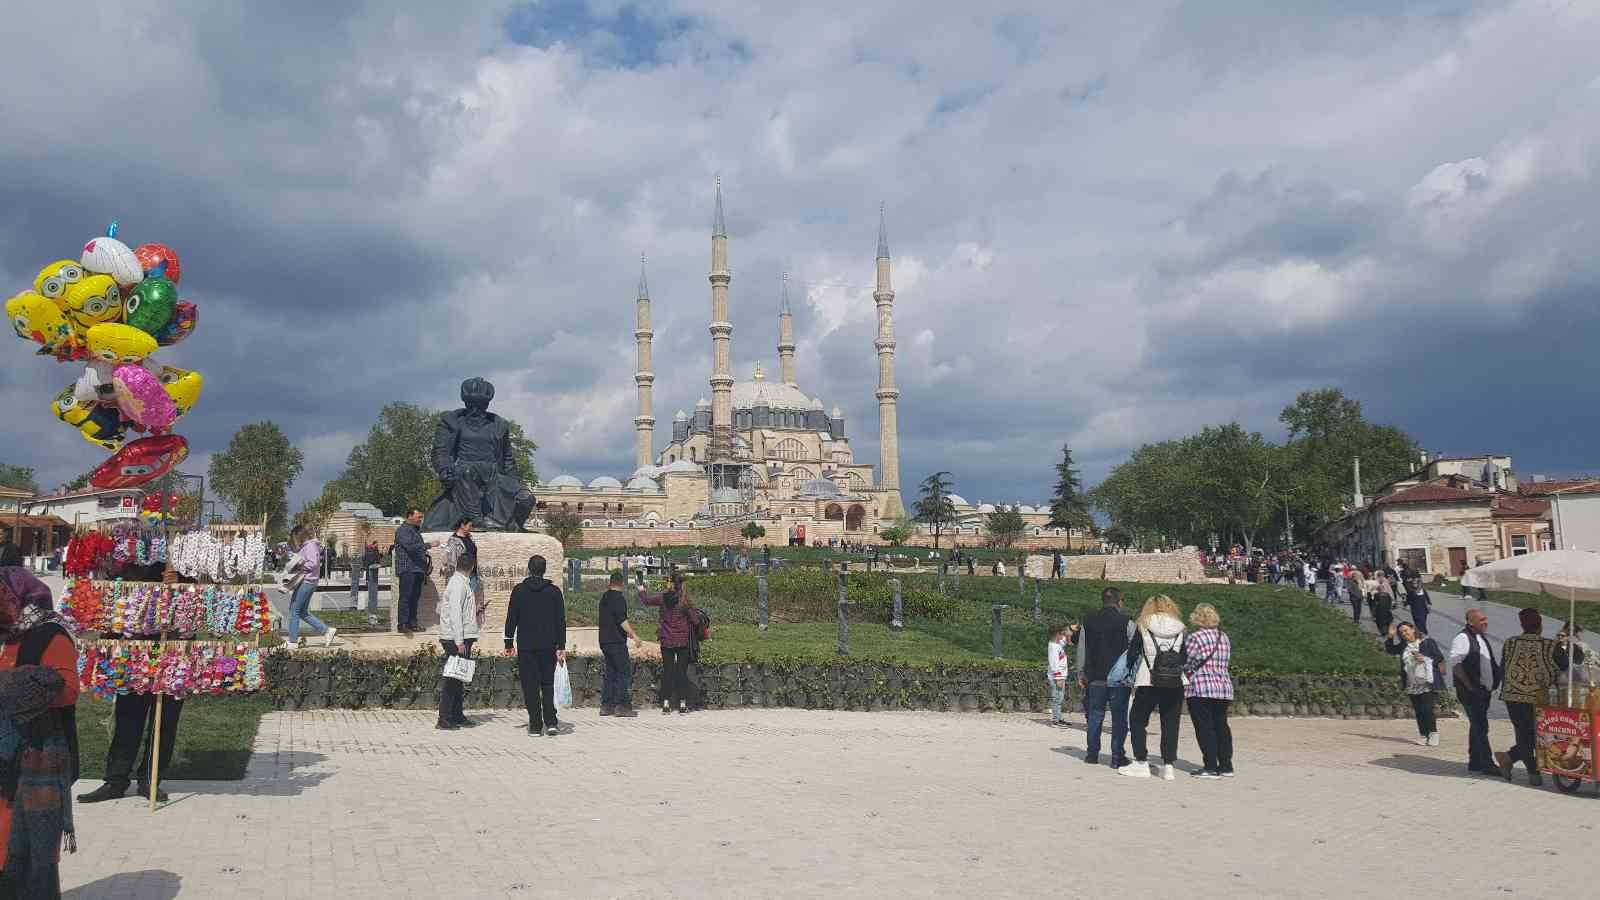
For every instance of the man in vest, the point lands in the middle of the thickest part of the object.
(1476, 675)
(1530, 662)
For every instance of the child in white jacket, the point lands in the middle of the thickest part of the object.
(458, 631)
(1056, 658)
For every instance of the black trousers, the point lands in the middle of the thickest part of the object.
(1355, 605)
(617, 687)
(1524, 721)
(410, 593)
(1212, 733)
(674, 675)
(1169, 700)
(1382, 612)
(1419, 615)
(1423, 705)
(1480, 758)
(453, 693)
(133, 714)
(536, 667)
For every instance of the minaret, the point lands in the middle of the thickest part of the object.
(721, 443)
(785, 336)
(888, 395)
(644, 424)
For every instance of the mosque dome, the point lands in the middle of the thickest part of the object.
(702, 403)
(986, 507)
(564, 483)
(682, 465)
(747, 394)
(819, 487)
(605, 483)
(958, 500)
(646, 472)
(681, 416)
(642, 483)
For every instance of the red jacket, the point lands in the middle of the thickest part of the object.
(675, 621)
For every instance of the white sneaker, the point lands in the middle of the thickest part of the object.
(1135, 769)
(327, 639)
(290, 645)
(1167, 774)
(1433, 739)
(1420, 742)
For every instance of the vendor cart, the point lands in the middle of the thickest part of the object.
(1567, 740)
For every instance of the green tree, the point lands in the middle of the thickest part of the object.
(18, 477)
(314, 515)
(393, 469)
(752, 532)
(255, 472)
(1117, 536)
(1005, 525)
(935, 507)
(563, 525)
(1327, 431)
(77, 484)
(1069, 508)
(897, 534)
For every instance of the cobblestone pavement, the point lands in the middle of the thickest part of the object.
(774, 803)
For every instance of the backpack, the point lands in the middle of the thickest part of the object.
(702, 626)
(1166, 670)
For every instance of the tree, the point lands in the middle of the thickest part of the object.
(1005, 525)
(1327, 431)
(18, 477)
(935, 507)
(563, 525)
(1117, 536)
(76, 484)
(1069, 508)
(393, 468)
(314, 515)
(897, 534)
(255, 472)
(752, 532)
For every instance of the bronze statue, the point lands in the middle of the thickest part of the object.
(472, 457)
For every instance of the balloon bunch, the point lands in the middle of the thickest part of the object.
(111, 309)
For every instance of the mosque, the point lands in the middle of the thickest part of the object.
(757, 450)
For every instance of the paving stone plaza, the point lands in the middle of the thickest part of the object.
(793, 803)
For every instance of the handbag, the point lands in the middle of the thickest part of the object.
(460, 668)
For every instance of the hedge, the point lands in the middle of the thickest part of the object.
(351, 681)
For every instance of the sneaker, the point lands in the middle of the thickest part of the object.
(625, 712)
(447, 726)
(605, 710)
(1433, 739)
(466, 723)
(535, 731)
(683, 710)
(1420, 742)
(1227, 773)
(1167, 773)
(108, 791)
(1118, 762)
(1505, 763)
(551, 731)
(1135, 770)
(327, 638)
(1206, 773)
(1092, 759)
(290, 645)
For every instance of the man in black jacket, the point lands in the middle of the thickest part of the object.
(411, 566)
(1102, 643)
(536, 622)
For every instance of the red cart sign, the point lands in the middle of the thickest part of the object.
(1566, 739)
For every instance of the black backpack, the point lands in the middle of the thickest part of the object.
(1166, 670)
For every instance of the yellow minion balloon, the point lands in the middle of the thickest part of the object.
(54, 279)
(116, 344)
(99, 425)
(40, 320)
(183, 386)
(90, 301)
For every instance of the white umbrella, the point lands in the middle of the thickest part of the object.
(1574, 574)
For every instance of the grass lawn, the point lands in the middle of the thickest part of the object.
(215, 735)
(1276, 629)
(1551, 605)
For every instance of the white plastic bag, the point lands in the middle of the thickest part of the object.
(563, 687)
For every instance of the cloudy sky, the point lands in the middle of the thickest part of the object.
(1111, 223)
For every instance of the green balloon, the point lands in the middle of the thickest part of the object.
(152, 303)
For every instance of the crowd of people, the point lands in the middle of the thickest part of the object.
(1133, 668)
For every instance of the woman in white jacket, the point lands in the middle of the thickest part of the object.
(1158, 654)
(458, 631)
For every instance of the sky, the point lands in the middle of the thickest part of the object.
(1111, 224)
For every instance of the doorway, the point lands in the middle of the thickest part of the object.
(1458, 561)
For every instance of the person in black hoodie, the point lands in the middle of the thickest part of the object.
(536, 622)
(1102, 645)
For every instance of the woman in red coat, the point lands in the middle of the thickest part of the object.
(677, 620)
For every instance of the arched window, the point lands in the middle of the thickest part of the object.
(833, 513)
(802, 474)
(789, 448)
(852, 520)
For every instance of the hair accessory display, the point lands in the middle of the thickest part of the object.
(147, 609)
(173, 668)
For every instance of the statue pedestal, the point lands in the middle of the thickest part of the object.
(502, 565)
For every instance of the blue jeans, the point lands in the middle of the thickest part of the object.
(300, 608)
(1095, 700)
(372, 587)
(1058, 693)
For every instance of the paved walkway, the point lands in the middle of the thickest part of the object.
(791, 803)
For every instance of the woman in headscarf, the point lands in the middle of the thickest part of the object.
(38, 737)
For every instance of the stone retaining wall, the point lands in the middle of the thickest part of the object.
(346, 681)
(1178, 567)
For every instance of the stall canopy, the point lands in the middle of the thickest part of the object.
(1573, 575)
